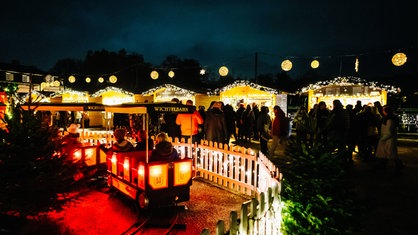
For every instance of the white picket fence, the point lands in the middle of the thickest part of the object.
(244, 171)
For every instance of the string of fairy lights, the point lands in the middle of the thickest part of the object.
(398, 59)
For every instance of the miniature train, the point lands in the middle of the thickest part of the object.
(152, 184)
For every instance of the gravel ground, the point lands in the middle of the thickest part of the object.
(101, 212)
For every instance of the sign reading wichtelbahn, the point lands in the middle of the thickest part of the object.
(150, 108)
(172, 109)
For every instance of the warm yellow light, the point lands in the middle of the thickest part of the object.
(356, 65)
(71, 79)
(126, 164)
(88, 79)
(154, 75)
(57, 83)
(314, 64)
(202, 72)
(101, 79)
(223, 71)
(399, 59)
(113, 79)
(171, 74)
(286, 65)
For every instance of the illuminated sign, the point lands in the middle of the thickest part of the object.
(172, 109)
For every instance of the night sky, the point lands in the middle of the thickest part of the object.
(215, 33)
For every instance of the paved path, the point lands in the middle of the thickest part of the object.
(389, 201)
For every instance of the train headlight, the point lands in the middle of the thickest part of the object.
(182, 172)
(158, 176)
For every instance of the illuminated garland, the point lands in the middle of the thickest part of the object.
(110, 88)
(349, 81)
(68, 91)
(240, 83)
(167, 86)
(39, 97)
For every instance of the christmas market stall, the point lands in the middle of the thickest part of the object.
(246, 92)
(166, 92)
(348, 90)
(111, 96)
(70, 96)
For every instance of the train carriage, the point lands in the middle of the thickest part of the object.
(150, 184)
(89, 152)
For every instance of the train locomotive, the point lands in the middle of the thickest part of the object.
(150, 184)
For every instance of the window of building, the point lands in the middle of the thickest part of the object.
(9, 77)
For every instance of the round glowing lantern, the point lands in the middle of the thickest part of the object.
(57, 83)
(71, 79)
(113, 79)
(223, 71)
(286, 65)
(88, 79)
(101, 79)
(154, 75)
(171, 74)
(399, 59)
(314, 64)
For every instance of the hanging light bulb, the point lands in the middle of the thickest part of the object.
(71, 79)
(356, 65)
(88, 79)
(101, 79)
(154, 74)
(286, 65)
(314, 64)
(399, 59)
(171, 74)
(113, 79)
(223, 71)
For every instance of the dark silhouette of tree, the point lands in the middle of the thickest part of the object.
(187, 72)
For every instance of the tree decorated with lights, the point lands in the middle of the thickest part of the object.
(315, 193)
(32, 176)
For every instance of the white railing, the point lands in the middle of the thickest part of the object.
(241, 170)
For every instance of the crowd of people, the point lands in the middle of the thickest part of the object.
(371, 128)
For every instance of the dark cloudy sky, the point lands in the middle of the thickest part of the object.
(215, 33)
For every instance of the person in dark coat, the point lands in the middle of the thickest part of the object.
(173, 130)
(238, 115)
(263, 128)
(230, 120)
(120, 144)
(256, 112)
(320, 116)
(164, 149)
(338, 128)
(215, 125)
(248, 122)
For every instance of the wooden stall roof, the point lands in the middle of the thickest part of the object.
(64, 106)
(167, 87)
(243, 87)
(164, 107)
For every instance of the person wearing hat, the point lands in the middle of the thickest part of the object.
(71, 140)
(120, 144)
(164, 149)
